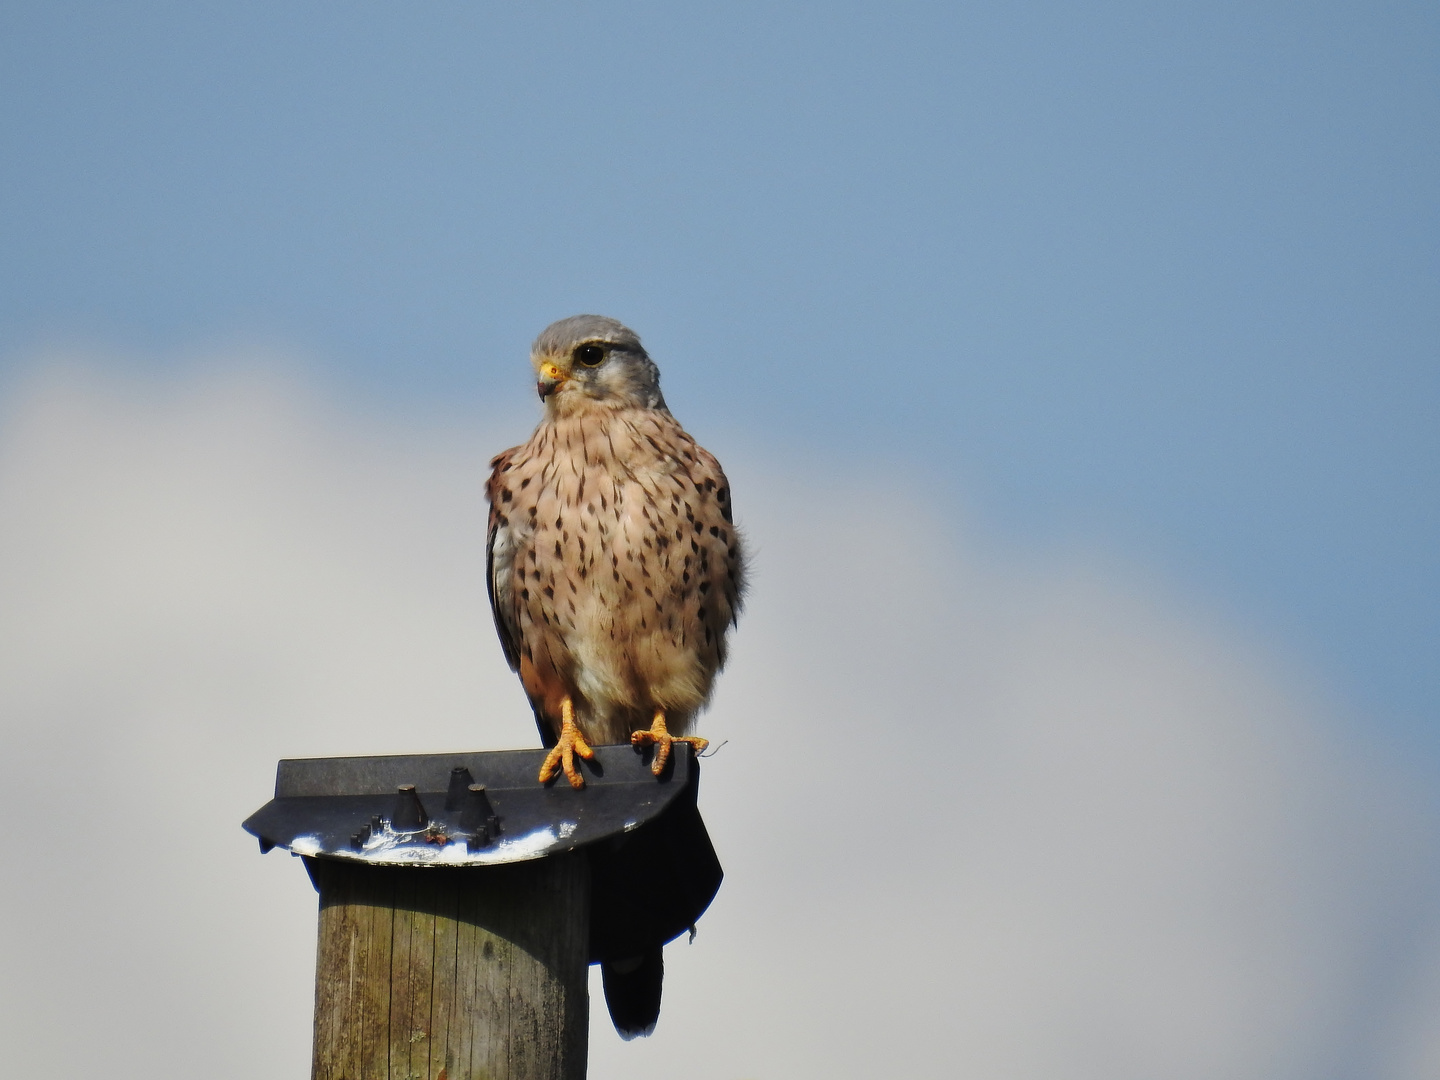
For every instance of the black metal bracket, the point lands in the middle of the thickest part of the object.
(653, 869)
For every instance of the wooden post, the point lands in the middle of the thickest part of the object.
(461, 903)
(433, 973)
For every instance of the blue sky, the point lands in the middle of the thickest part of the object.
(1155, 280)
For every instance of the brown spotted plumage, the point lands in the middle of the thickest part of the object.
(615, 569)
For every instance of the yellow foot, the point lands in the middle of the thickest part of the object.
(563, 752)
(660, 735)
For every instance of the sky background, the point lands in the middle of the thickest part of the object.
(1119, 322)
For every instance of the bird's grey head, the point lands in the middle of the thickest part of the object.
(589, 361)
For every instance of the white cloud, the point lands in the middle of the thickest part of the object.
(979, 818)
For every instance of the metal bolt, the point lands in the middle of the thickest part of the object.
(409, 814)
(479, 818)
(460, 779)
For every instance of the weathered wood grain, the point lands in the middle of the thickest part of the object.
(452, 974)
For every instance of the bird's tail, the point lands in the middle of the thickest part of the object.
(632, 992)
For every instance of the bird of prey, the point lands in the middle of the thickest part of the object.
(615, 572)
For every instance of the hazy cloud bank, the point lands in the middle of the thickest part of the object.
(978, 818)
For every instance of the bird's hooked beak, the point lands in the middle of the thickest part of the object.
(550, 380)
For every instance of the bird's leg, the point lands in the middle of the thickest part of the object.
(660, 735)
(563, 752)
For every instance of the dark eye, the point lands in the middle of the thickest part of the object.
(589, 355)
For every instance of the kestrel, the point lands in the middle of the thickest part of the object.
(615, 569)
